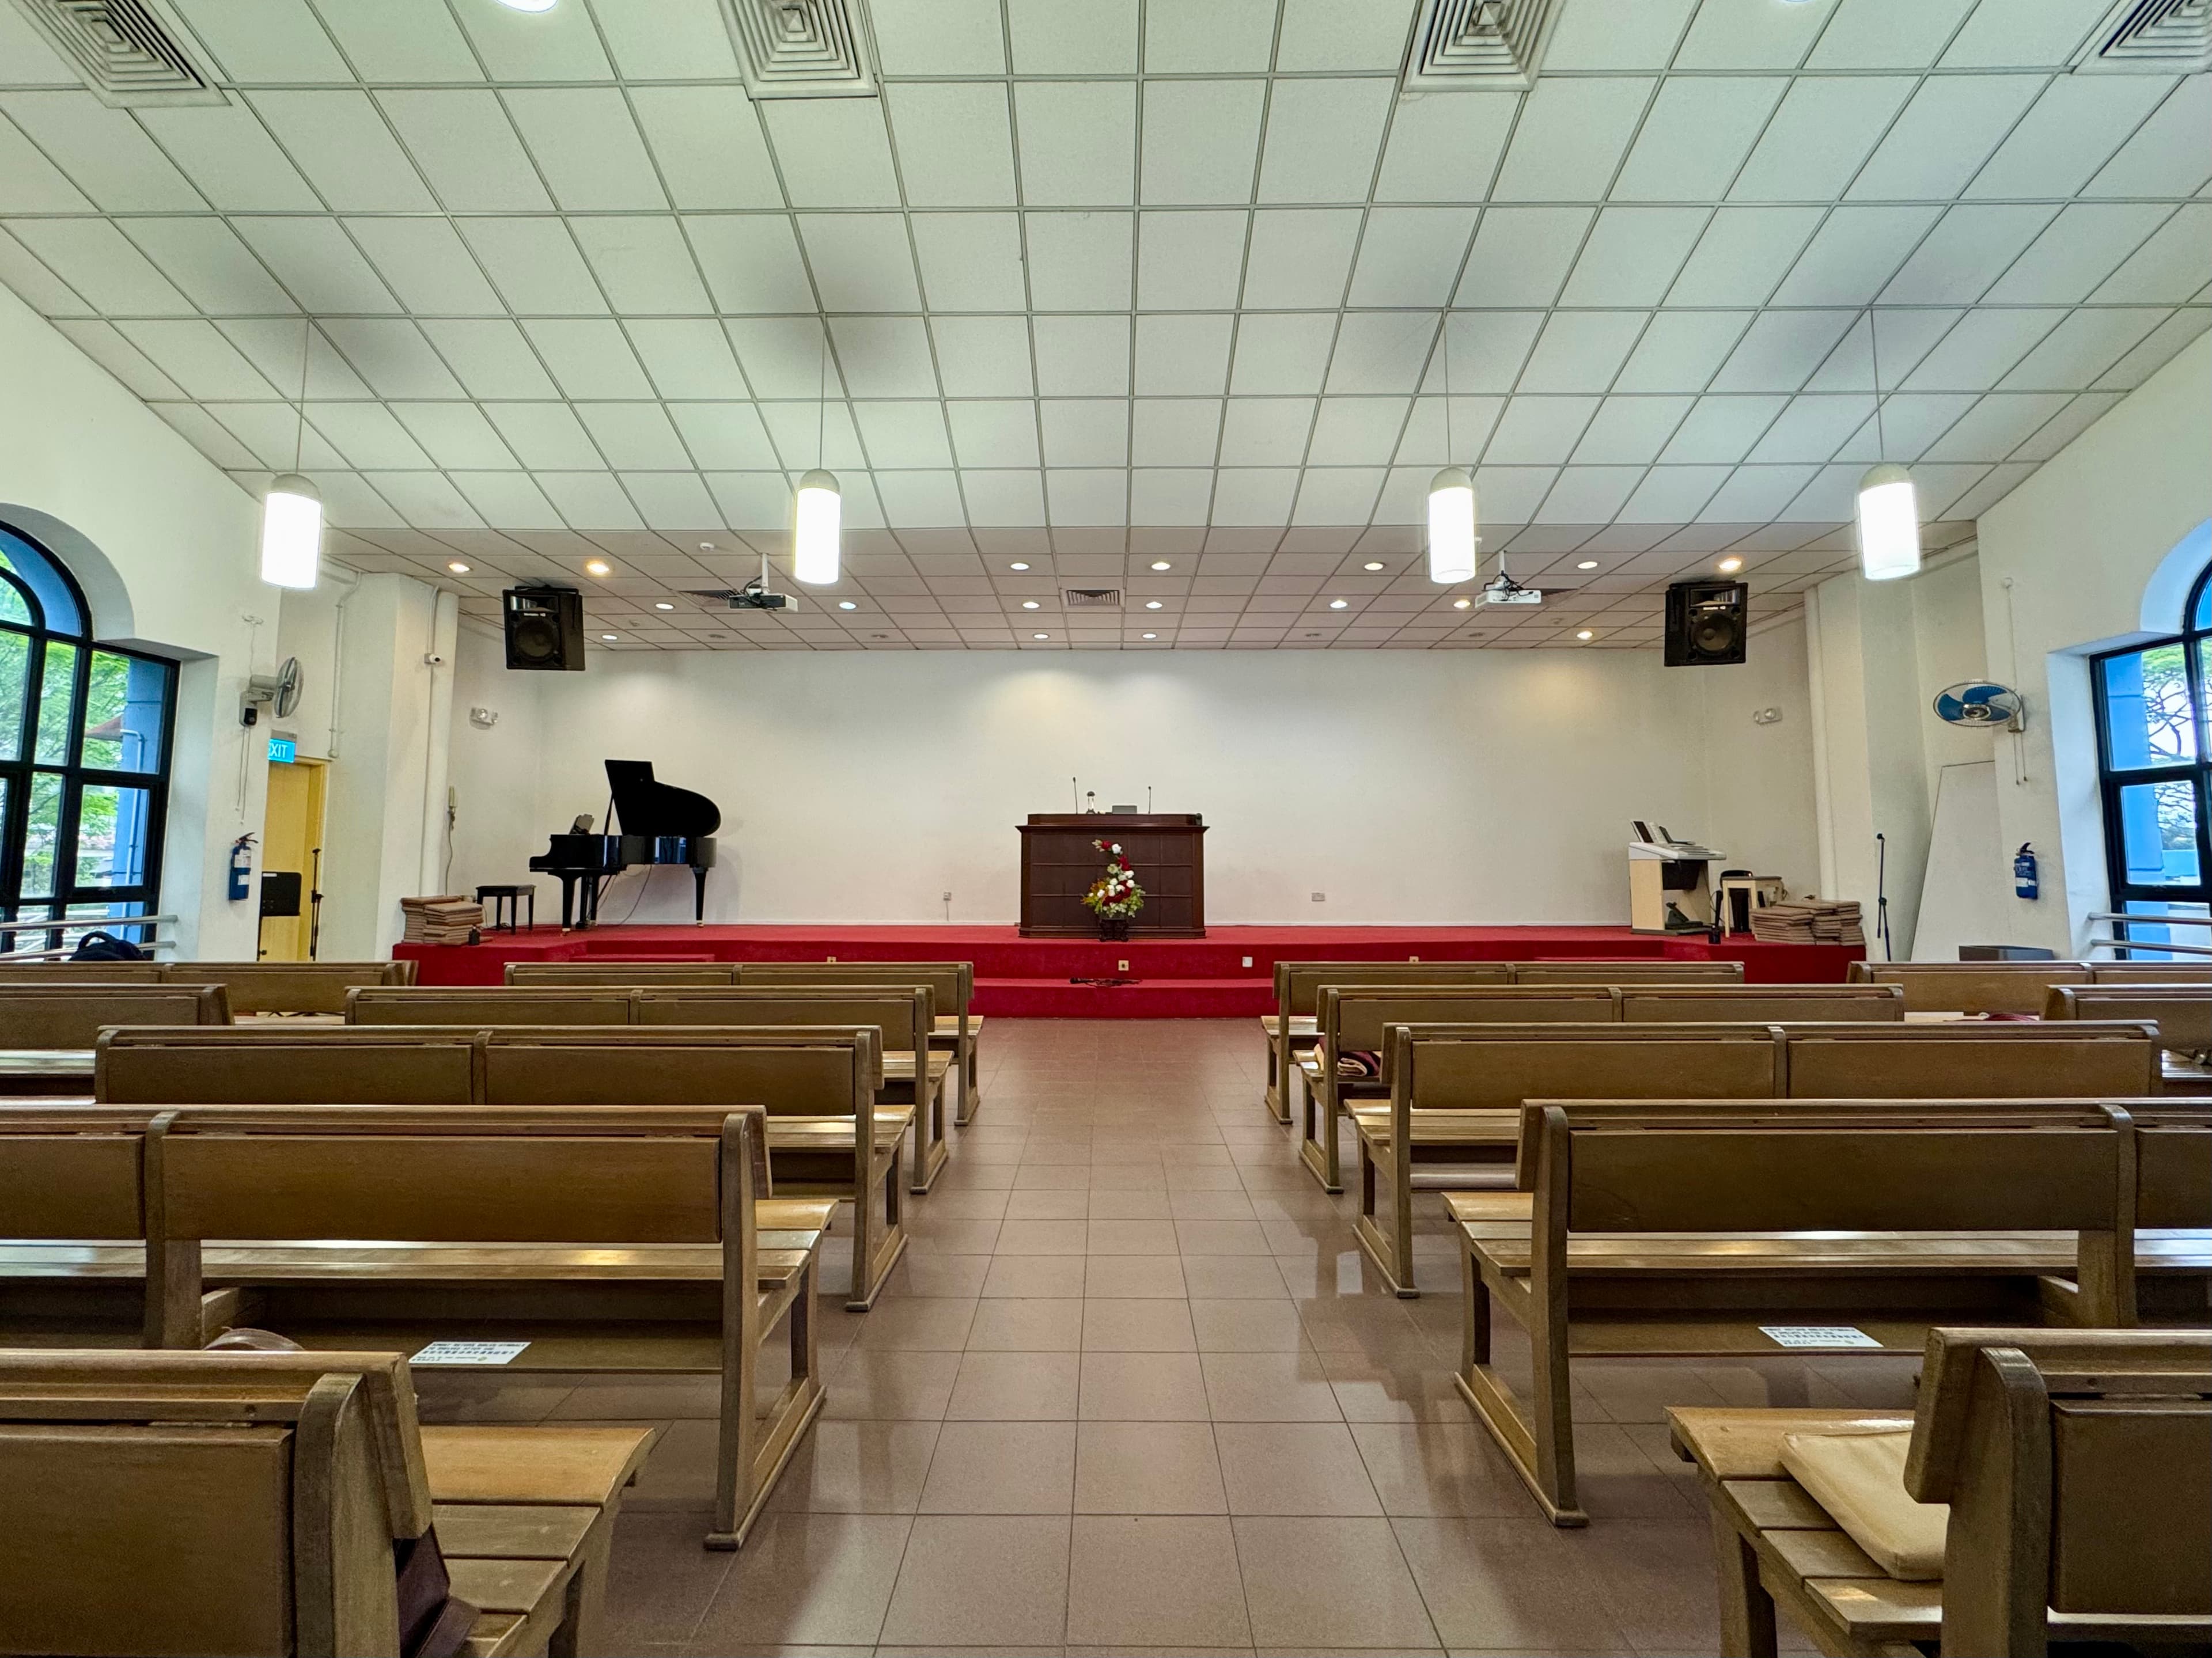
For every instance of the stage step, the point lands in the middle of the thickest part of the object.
(1137, 998)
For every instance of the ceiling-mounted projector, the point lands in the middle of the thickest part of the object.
(1503, 589)
(753, 596)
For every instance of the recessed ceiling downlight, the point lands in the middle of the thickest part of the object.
(529, 5)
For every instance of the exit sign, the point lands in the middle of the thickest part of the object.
(282, 750)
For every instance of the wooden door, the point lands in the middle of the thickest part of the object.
(291, 839)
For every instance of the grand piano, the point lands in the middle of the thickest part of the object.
(653, 822)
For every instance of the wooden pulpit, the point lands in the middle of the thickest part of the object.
(1167, 850)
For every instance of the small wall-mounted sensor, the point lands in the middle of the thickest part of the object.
(1320, 897)
(484, 718)
(1766, 716)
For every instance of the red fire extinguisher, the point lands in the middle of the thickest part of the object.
(241, 866)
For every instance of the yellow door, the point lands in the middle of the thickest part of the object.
(291, 839)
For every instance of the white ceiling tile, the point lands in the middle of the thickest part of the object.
(1906, 336)
(1078, 142)
(1632, 255)
(1009, 498)
(811, 434)
(756, 500)
(101, 342)
(393, 357)
(1739, 34)
(1332, 35)
(1283, 355)
(634, 434)
(1952, 123)
(400, 40)
(1589, 36)
(1753, 494)
(2076, 417)
(1380, 350)
(545, 436)
(587, 148)
(1812, 429)
(1357, 431)
(1721, 428)
(1510, 494)
(1337, 495)
(1486, 350)
(535, 265)
(368, 434)
(349, 500)
(834, 152)
(491, 356)
(1226, 36)
(340, 141)
(1995, 485)
(860, 261)
(1083, 356)
(107, 154)
(198, 359)
(1201, 141)
(752, 262)
(1780, 350)
(993, 434)
(1695, 137)
(1072, 37)
(725, 435)
(980, 356)
(880, 356)
(1265, 431)
(1587, 495)
(227, 155)
(2165, 158)
(970, 261)
(939, 37)
(1887, 34)
(1673, 495)
(1571, 138)
(1854, 254)
(1194, 261)
(2075, 353)
(1323, 137)
(2156, 349)
(274, 432)
(589, 358)
(1581, 350)
(207, 434)
(1254, 495)
(426, 264)
(454, 434)
(1085, 431)
(426, 500)
(1682, 350)
(1300, 258)
(1410, 256)
(2169, 267)
(1630, 431)
(93, 256)
(1974, 356)
(1087, 496)
(2074, 127)
(1521, 255)
(1909, 424)
(643, 264)
(507, 500)
(1079, 261)
(1444, 146)
(2003, 33)
(708, 145)
(1743, 255)
(2083, 245)
(29, 183)
(39, 287)
(919, 500)
(1538, 431)
(466, 147)
(687, 357)
(560, 44)
(1967, 251)
(1819, 137)
(589, 500)
(904, 436)
(1175, 432)
(955, 142)
(680, 500)
(1183, 355)
(257, 41)
(1996, 425)
(203, 257)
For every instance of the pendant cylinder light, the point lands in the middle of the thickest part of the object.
(1888, 524)
(816, 514)
(1452, 526)
(291, 532)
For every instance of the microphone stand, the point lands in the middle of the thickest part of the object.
(1881, 893)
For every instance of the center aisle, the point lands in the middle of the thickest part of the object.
(1128, 1388)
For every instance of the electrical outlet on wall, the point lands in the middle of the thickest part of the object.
(1320, 897)
(946, 895)
(1247, 961)
(1120, 967)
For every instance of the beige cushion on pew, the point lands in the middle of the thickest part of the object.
(1859, 1479)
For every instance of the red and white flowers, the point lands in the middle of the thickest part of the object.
(1114, 895)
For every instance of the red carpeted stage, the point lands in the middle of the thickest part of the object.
(1226, 975)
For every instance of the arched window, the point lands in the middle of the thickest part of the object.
(84, 758)
(2154, 718)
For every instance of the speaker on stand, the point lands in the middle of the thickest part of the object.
(1707, 623)
(544, 629)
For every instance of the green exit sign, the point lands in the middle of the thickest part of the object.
(282, 750)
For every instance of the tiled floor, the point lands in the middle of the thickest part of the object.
(1132, 1390)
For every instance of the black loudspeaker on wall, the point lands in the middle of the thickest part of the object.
(1705, 623)
(544, 629)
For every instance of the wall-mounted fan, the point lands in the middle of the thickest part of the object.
(1982, 703)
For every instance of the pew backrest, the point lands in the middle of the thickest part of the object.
(68, 1173)
(289, 986)
(1627, 973)
(2173, 1163)
(1475, 1067)
(2080, 1059)
(904, 1014)
(809, 1071)
(548, 974)
(488, 1004)
(1782, 1004)
(1298, 984)
(418, 1065)
(72, 1015)
(1972, 987)
(101, 973)
(1357, 1018)
(952, 985)
(2182, 1013)
(2195, 971)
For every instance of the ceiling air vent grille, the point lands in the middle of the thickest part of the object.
(800, 48)
(2155, 37)
(123, 51)
(1093, 599)
(1477, 45)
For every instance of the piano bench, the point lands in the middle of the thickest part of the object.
(502, 902)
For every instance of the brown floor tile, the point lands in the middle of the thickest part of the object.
(857, 1468)
(1034, 1275)
(1268, 1388)
(1312, 1583)
(955, 1276)
(1115, 1203)
(1015, 1386)
(917, 1324)
(992, 1580)
(1027, 1325)
(1440, 1470)
(1293, 1468)
(1043, 1237)
(1509, 1583)
(1132, 1237)
(1240, 1277)
(867, 1384)
(809, 1577)
(1138, 1325)
(1247, 1326)
(1221, 1237)
(1049, 1205)
(659, 1578)
(1143, 1388)
(1153, 1579)
(1002, 1467)
(1147, 1467)
(1126, 1276)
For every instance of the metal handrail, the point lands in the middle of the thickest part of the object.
(2120, 941)
(2168, 918)
(89, 924)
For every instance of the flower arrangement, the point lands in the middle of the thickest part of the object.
(1114, 895)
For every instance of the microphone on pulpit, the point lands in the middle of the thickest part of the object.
(1074, 795)
(1148, 799)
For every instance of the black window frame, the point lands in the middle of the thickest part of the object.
(2197, 771)
(24, 921)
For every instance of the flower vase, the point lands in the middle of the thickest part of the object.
(1114, 929)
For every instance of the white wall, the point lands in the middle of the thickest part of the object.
(165, 548)
(1411, 788)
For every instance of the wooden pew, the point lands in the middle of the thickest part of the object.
(1297, 994)
(2173, 1209)
(1457, 1104)
(914, 1074)
(46, 1030)
(1972, 987)
(67, 1180)
(2182, 1013)
(951, 986)
(1701, 1197)
(281, 1065)
(485, 1004)
(1628, 973)
(548, 975)
(629, 1238)
(2195, 972)
(1777, 1004)
(2077, 1467)
(253, 1503)
(97, 972)
(278, 989)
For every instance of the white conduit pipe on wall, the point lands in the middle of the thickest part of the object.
(438, 741)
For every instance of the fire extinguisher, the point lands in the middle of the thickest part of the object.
(241, 866)
(2023, 873)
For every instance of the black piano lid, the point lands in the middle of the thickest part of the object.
(648, 808)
